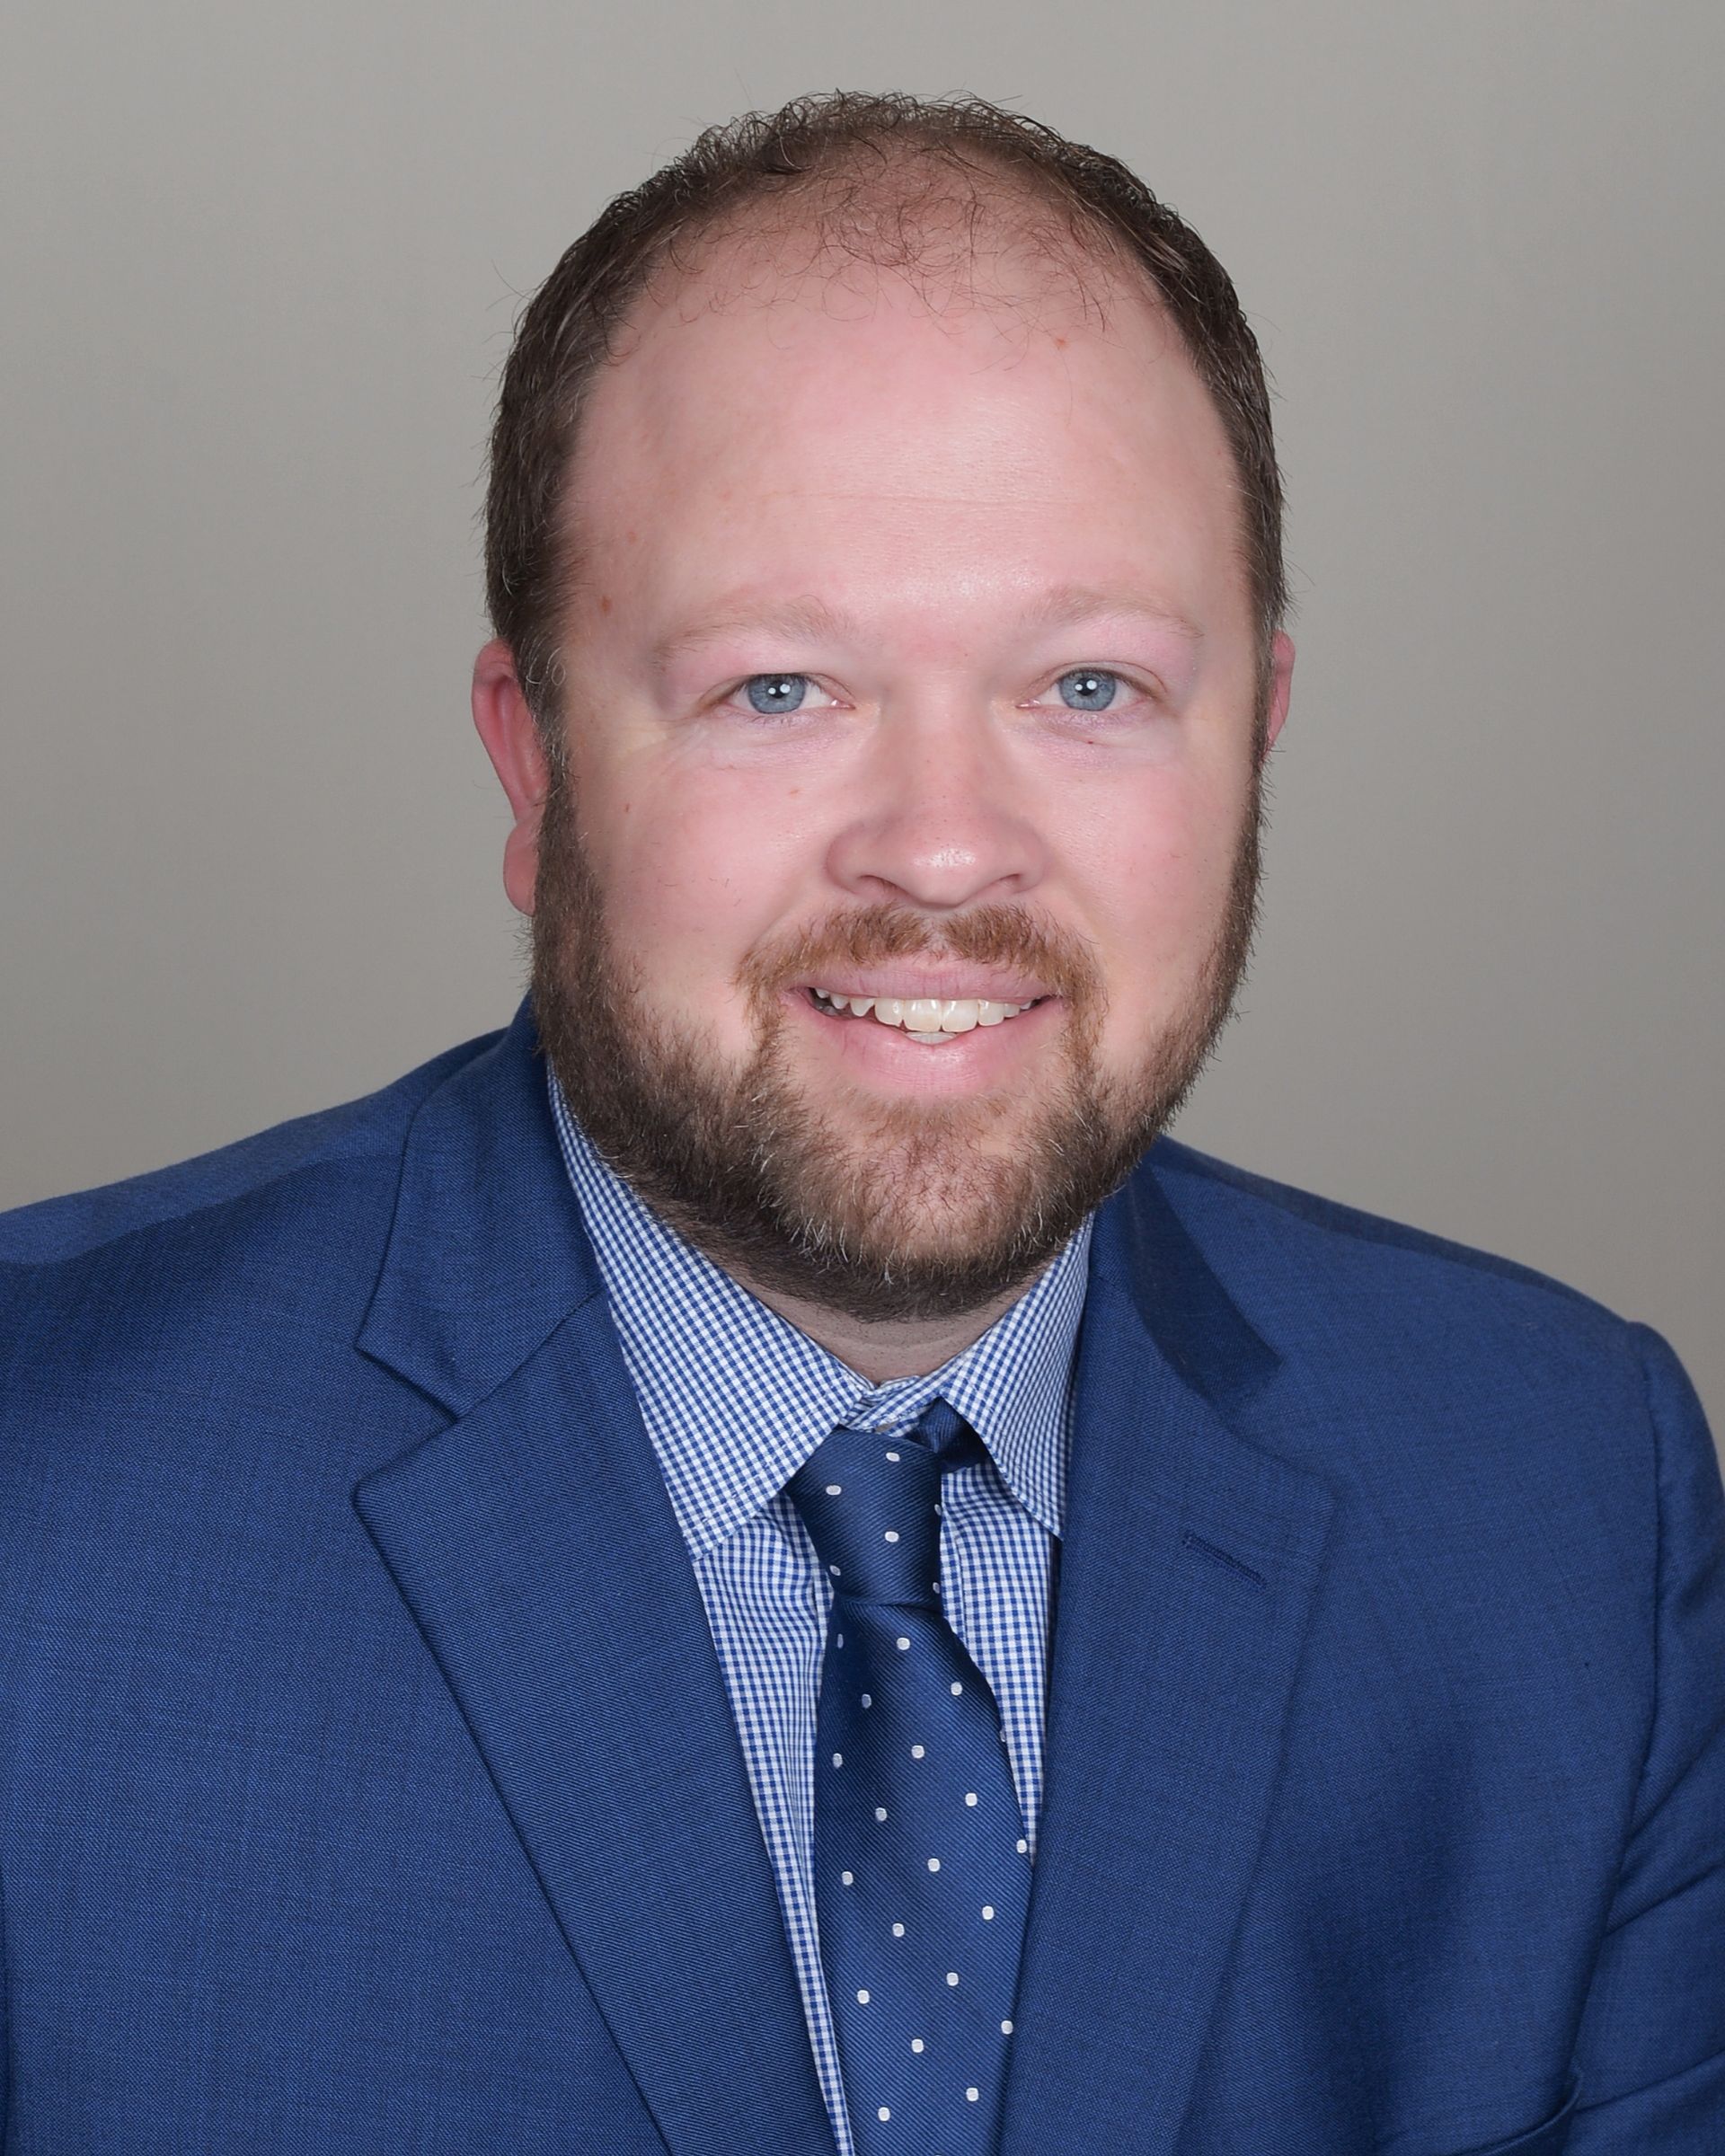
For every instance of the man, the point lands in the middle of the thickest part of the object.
(758, 1564)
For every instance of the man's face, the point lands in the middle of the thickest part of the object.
(911, 676)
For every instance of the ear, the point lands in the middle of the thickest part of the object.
(510, 733)
(1281, 685)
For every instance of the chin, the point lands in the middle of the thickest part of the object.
(933, 1216)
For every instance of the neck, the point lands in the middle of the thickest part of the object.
(896, 1347)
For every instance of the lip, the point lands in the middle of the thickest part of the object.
(945, 984)
(885, 1059)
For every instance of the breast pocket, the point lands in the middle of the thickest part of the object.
(1546, 2140)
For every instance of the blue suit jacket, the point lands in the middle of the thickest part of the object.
(370, 1783)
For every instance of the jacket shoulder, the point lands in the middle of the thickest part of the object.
(58, 1230)
(1397, 1354)
(1228, 1209)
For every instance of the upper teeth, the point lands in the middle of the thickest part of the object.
(924, 1014)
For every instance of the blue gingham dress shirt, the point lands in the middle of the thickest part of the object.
(734, 1399)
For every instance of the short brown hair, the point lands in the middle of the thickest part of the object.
(737, 174)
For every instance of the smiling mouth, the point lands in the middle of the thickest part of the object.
(930, 1019)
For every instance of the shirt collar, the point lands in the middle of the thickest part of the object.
(735, 1397)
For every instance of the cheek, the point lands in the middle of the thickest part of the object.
(1158, 863)
(694, 877)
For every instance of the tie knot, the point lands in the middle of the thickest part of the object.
(871, 1506)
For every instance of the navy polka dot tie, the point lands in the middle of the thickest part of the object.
(922, 1869)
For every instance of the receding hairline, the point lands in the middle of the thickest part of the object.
(926, 209)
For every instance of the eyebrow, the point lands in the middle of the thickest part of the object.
(811, 618)
(1065, 604)
(814, 620)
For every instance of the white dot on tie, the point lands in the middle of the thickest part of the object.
(892, 1455)
(898, 1930)
(969, 1795)
(902, 1645)
(915, 2042)
(987, 1913)
(971, 2095)
(1024, 1848)
(849, 1877)
(841, 1640)
(951, 1975)
(892, 1534)
(880, 1813)
(883, 2114)
(916, 1752)
(861, 1997)
(1005, 2029)
(867, 1700)
(957, 1689)
(833, 1488)
(933, 1863)
(838, 1759)
(834, 1570)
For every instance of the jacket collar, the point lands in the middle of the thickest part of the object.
(486, 1254)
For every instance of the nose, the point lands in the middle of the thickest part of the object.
(940, 820)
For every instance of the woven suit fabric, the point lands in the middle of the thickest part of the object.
(921, 1867)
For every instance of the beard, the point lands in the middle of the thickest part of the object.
(882, 1210)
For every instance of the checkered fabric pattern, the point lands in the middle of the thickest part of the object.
(734, 1399)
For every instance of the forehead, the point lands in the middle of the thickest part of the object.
(763, 405)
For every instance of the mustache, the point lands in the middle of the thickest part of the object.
(1005, 936)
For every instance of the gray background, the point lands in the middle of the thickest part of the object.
(260, 269)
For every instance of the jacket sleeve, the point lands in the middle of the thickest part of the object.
(1650, 2053)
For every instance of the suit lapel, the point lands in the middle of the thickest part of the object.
(1188, 1569)
(535, 1544)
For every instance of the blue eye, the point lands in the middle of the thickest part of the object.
(771, 694)
(1088, 688)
